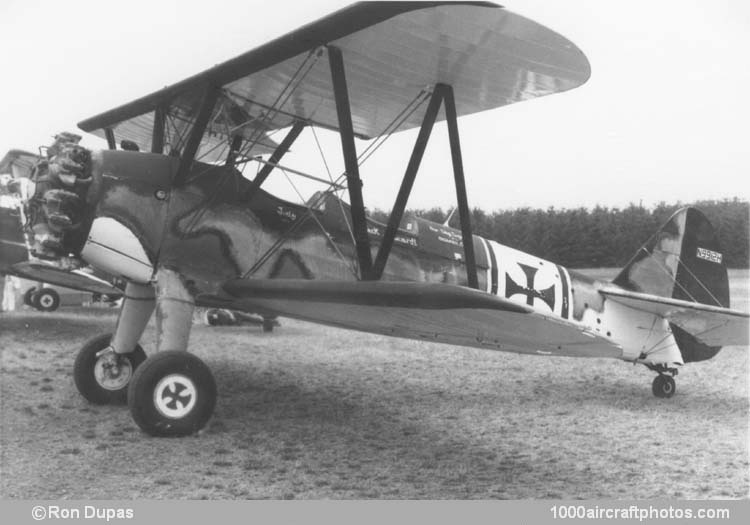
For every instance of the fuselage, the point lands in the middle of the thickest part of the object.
(213, 229)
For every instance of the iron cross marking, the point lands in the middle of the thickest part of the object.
(512, 287)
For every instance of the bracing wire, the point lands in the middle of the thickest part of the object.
(322, 228)
(685, 266)
(366, 154)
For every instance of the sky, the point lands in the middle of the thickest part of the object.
(664, 116)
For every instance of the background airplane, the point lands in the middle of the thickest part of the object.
(13, 242)
(184, 227)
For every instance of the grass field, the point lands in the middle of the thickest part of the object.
(315, 412)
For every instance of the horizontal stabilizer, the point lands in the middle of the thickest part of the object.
(426, 311)
(712, 325)
(75, 279)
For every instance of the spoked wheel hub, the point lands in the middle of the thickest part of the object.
(112, 371)
(102, 375)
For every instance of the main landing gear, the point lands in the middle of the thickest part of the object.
(170, 393)
(173, 393)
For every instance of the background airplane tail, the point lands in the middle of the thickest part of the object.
(683, 260)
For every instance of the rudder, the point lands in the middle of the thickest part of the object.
(683, 260)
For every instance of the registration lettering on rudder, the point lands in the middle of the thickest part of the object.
(709, 255)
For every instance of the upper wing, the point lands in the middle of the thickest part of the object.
(18, 163)
(434, 312)
(392, 51)
(712, 325)
(75, 279)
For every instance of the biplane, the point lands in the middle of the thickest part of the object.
(176, 213)
(17, 250)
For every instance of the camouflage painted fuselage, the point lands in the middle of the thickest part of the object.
(211, 230)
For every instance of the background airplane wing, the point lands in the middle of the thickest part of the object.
(15, 164)
(712, 325)
(75, 279)
(392, 51)
(18, 163)
(13, 247)
(433, 312)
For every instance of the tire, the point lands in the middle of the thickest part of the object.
(268, 324)
(219, 317)
(28, 297)
(173, 393)
(663, 386)
(88, 372)
(46, 300)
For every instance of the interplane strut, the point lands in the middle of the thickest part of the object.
(354, 183)
(407, 183)
(157, 137)
(210, 96)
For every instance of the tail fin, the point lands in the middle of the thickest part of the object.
(683, 260)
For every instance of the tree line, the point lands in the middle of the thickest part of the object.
(598, 237)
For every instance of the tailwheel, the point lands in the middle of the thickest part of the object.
(172, 393)
(101, 375)
(663, 386)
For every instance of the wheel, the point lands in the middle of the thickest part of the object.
(663, 386)
(28, 297)
(219, 317)
(111, 298)
(46, 300)
(268, 324)
(103, 380)
(172, 393)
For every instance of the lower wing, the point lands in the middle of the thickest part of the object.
(426, 311)
(75, 279)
